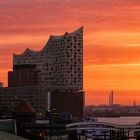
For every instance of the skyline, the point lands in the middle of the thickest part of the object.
(111, 40)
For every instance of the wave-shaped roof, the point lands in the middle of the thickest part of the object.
(52, 37)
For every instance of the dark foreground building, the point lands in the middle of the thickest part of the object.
(72, 102)
(10, 97)
(50, 79)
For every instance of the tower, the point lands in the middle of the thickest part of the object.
(111, 98)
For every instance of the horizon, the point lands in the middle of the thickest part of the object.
(111, 41)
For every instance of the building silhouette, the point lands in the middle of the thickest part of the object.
(59, 63)
(111, 98)
(1, 84)
(50, 79)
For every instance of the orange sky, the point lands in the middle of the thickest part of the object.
(111, 40)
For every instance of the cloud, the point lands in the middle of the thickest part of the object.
(23, 21)
(126, 97)
(38, 16)
(102, 55)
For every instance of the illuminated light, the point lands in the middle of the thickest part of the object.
(42, 134)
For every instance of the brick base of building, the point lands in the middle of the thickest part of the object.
(72, 103)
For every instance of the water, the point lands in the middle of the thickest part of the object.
(120, 120)
(113, 120)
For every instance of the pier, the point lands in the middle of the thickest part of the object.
(102, 131)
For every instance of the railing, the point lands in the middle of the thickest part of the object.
(104, 130)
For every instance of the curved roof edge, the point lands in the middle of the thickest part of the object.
(79, 29)
(28, 50)
(66, 33)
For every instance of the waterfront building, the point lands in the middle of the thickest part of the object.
(10, 97)
(49, 79)
(59, 63)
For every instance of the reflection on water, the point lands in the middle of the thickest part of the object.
(120, 120)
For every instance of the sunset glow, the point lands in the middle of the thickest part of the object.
(111, 40)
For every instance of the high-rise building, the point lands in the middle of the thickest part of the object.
(49, 79)
(59, 63)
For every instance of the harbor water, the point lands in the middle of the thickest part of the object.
(120, 120)
(113, 120)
